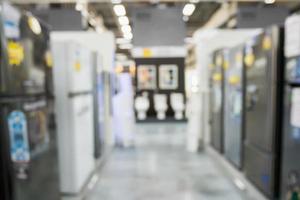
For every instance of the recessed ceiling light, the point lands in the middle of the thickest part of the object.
(185, 18)
(128, 36)
(123, 20)
(125, 46)
(122, 41)
(126, 29)
(119, 10)
(79, 6)
(194, 1)
(116, 1)
(188, 9)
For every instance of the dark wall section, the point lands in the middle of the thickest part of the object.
(180, 62)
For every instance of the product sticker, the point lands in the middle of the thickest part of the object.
(49, 59)
(219, 60)
(19, 146)
(77, 66)
(295, 108)
(292, 37)
(15, 53)
(217, 98)
(217, 77)
(267, 43)
(11, 18)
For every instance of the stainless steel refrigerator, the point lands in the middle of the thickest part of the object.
(28, 156)
(264, 89)
(290, 176)
(217, 100)
(233, 104)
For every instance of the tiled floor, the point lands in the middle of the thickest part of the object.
(159, 168)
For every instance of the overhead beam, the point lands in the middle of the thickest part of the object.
(137, 1)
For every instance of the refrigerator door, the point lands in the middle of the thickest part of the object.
(263, 109)
(217, 102)
(73, 67)
(32, 149)
(76, 143)
(233, 106)
(291, 144)
(23, 72)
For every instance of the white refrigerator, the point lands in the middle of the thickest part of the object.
(74, 114)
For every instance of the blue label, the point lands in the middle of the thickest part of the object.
(265, 179)
(19, 147)
(296, 134)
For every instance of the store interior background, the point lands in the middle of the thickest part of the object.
(150, 99)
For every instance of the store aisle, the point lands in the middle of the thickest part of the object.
(159, 168)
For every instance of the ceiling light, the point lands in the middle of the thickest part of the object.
(188, 9)
(194, 1)
(126, 46)
(269, 1)
(185, 18)
(128, 36)
(119, 10)
(79, 6)
(122, 41)
(123, 20)
(126, 29)
(116, 1)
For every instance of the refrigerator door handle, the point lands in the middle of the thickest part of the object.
(252, 98)
(76, 94)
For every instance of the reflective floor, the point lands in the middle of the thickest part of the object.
(159, 168)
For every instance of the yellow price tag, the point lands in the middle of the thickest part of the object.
(225, 64)
(15, 53)
(77, 66)
(239, 57)
(249, 59)
(234, 79)
(267, 43)
(147, 53)
(49, 59)
(217, 77)
(219, 60)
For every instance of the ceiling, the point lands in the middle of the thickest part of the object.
(104, 8)
(202, 13)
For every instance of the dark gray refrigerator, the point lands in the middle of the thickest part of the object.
(28, 156)
(217, 100)
(290, 170)
(264, 89)
(233, 104)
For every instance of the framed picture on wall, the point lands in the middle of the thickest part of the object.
(168, 77)
(146, 77)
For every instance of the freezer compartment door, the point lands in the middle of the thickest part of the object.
(259, 169)
(291, 143)
(73, 67)
(32, 149)
(76, 144)
(23, 71)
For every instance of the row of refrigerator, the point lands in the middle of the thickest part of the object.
(38, 162)
(255, 118)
